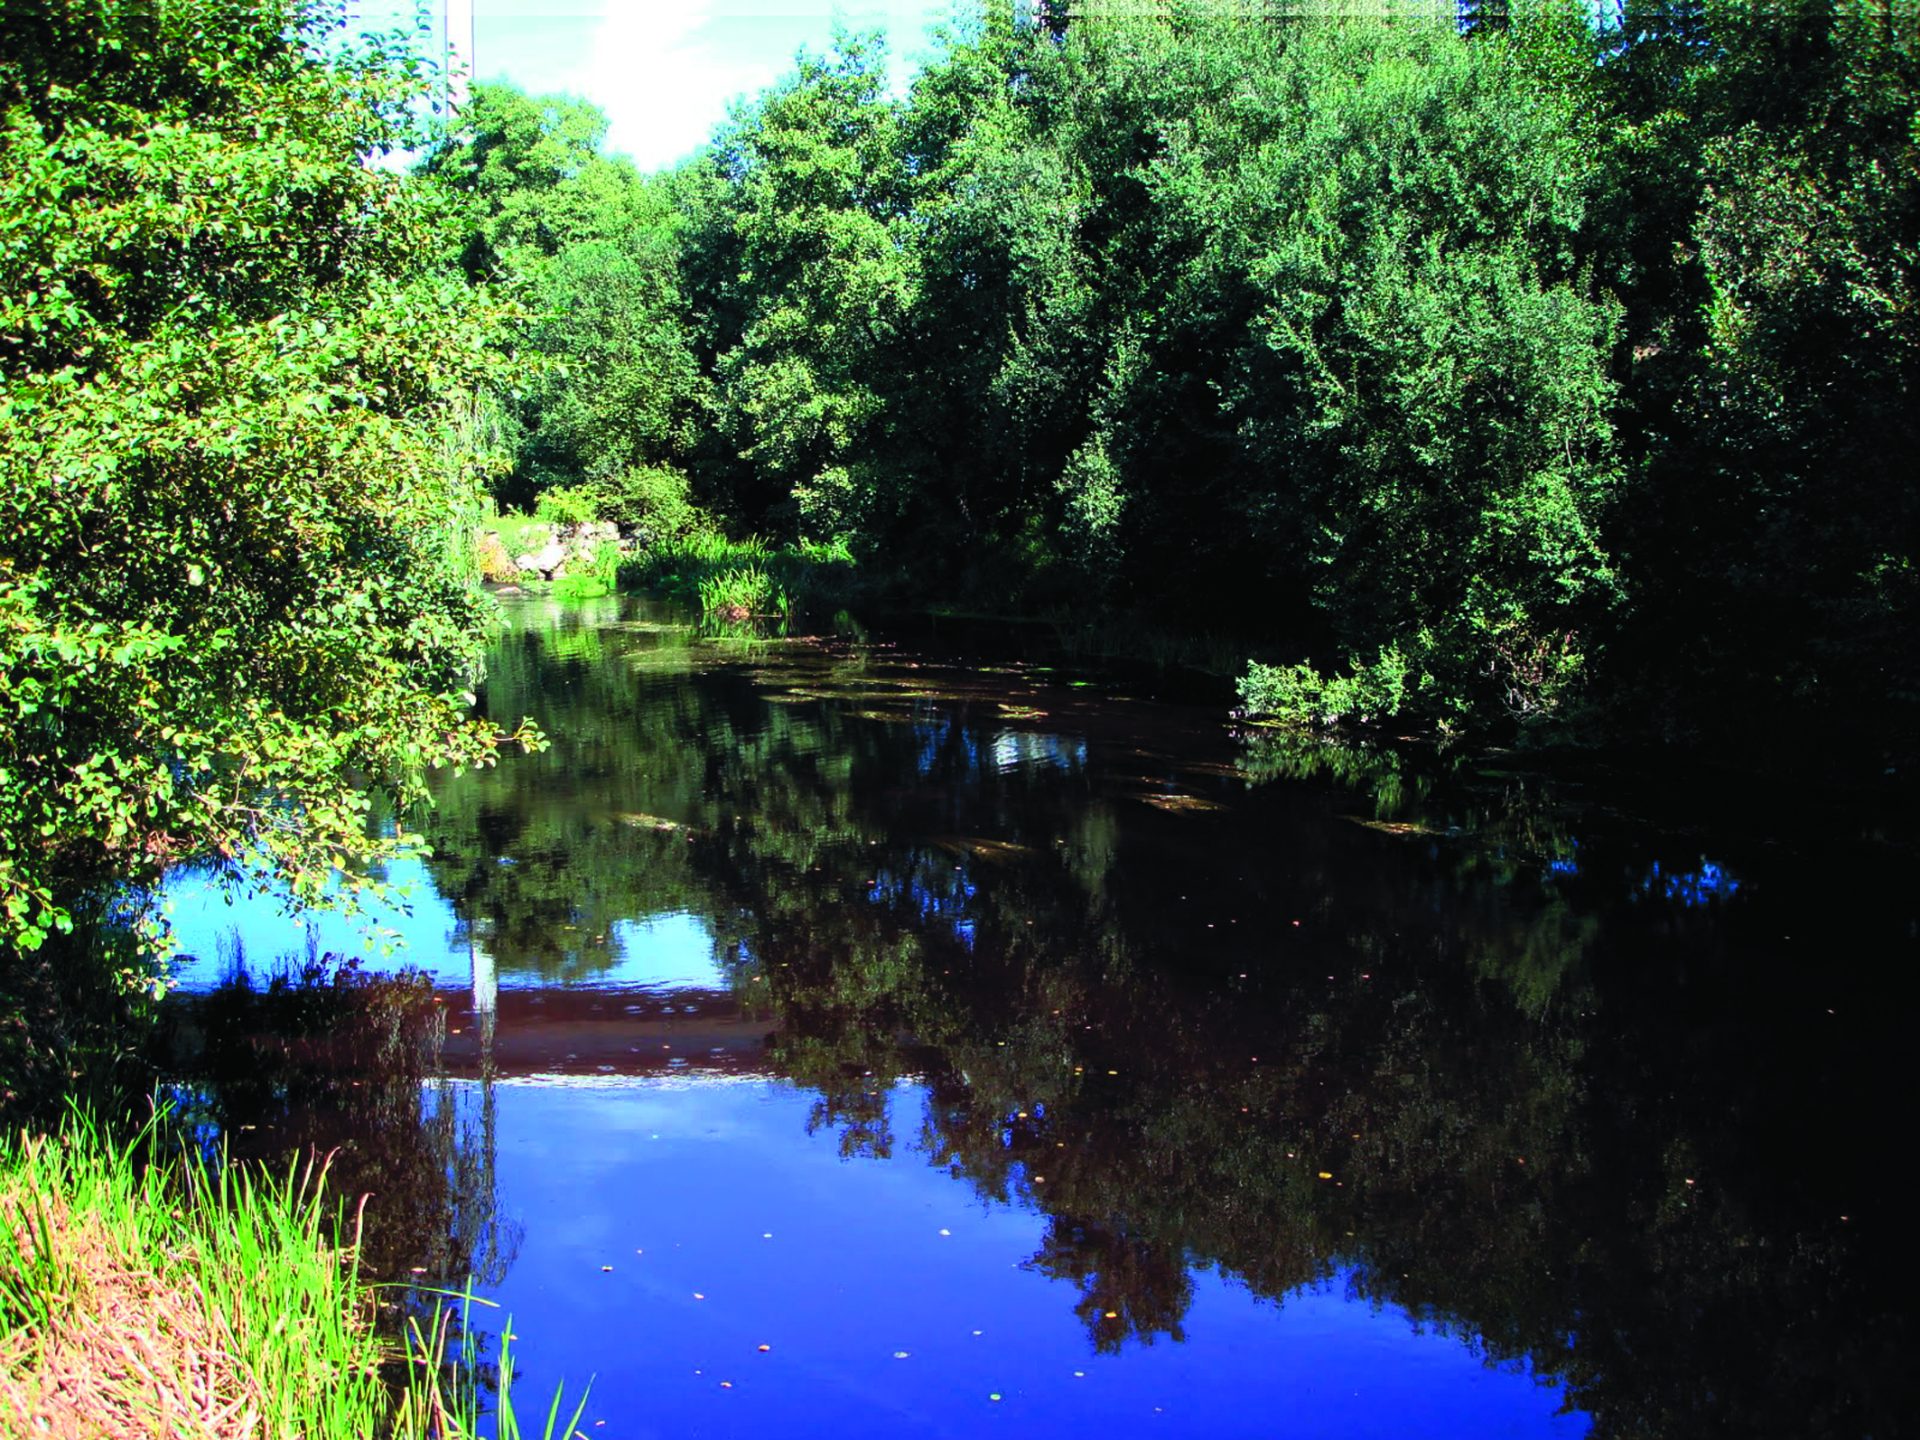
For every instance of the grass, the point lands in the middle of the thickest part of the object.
(742, 579)
(152, 1294)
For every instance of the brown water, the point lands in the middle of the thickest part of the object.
(858, 1039)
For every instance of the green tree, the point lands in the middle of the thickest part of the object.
(804, 267)
(1774, 525)
(234, 394)
(612, 398)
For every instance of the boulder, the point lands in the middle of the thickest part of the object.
(544, 561)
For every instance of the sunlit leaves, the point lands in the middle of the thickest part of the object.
(232, 582)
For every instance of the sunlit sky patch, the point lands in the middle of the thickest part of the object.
(665, 71)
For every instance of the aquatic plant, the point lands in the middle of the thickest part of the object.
(738, 593)
(597, 579)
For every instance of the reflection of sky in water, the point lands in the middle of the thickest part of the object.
(945, 739)
(893, 1301)
(1700, 886)
(1026, 750)
(418, 930)
(945, 907)
(207, 924)
(666, 952)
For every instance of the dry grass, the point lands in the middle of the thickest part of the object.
(174, 1301)
(133, 1352)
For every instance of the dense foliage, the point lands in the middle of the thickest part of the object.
(235, 390)
(1529, 372)
(611, 400)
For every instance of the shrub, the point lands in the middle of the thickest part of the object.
(569, 505)
(1301, 695)
(600, 577)
(656, 500)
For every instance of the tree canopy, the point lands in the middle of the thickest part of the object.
(235, 593)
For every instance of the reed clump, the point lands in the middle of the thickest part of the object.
(152, 1295)
(175, 1299)
(742, 579)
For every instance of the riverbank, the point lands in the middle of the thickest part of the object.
(148, 1297)
(754, 583)
(151, 1295)
(150, 1287)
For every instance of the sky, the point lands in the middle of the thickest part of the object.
(665, 70)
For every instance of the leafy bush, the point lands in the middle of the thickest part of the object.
(569, 505)
(1301, 695)
(656, 500)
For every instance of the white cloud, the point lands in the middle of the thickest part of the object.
(663, 86)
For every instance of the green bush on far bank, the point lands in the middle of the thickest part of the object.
(655, 500)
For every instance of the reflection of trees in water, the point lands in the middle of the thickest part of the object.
(1129, 1289)
(1506, 1081)
(326, 1063)
(1440, 1036)
(1514, 1175)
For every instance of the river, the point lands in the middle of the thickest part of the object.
(858, 1038)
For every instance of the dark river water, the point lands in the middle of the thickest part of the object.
(855, 1039)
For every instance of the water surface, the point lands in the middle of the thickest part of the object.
(860, 1039)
